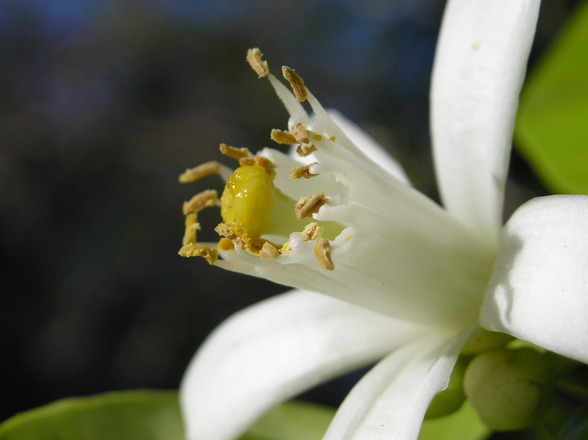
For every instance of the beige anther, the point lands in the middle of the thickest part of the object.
(268, 252)
(204, 169)
(305, 149)
(303, 172)
(322, 252)
(200, 201)
(255, 60)
(192, 226)
(312, 231)
(296, 83)
(300, 133)
(282, 137)
(235, 153)
(259, 160)
(199, 250)
(309, 205)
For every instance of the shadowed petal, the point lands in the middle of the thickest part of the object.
(539, 288)
(391, 400)
(276, 349)
(479, 67)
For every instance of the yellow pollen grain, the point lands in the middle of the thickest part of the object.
(202, 170)
(322, 252)
(199, 250)
(300, 133)
(268, 252)
(192, 226)
(224, 244)
(282, 137)
(312, 231)
(309, 205)
(255, 60)
(303, 172)
(200, 201)
(305, 149)
(235, 153)
(296, 83)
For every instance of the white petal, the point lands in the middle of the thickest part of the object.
(391, 400)
(479, 67)
(539, 289)
(275, 350)
(368, 146)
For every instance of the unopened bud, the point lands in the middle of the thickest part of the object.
(510, 389)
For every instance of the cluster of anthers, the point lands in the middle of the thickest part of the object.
(251, 206)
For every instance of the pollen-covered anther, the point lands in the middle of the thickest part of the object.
(309, 205)
(305, 149)
(255, 60)
(200, 201)
(202, 170)
(259, 160)
(282, 137)
(268, 251)
(303, 172)
(300, 133)
(235, 153)
(199, 250)
(322, 252)
(312, 231)
(296, 83)
(192, 227)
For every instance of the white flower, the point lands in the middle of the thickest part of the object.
(402, 278)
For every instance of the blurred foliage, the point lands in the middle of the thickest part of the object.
(552, 128)
(104, 102)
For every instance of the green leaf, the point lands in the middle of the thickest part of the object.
(292, 421)
(552, 127)
(463, 425)
(140, 415)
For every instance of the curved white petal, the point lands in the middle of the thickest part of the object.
(539, 288)
(479, 67)
(368, 146)
(391, 400)
(273, 351)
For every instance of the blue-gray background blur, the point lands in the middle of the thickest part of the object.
(103, 103)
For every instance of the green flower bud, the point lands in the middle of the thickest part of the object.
(510, 389)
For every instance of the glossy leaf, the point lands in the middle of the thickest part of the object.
(552, 128)
(463, 425)
(292, 421)
(140, 415)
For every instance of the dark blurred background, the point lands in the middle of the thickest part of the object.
(104, 103)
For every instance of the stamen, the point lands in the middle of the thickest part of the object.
(296, 83)
(199, 250)
(309, 205)
(200, 201)
(304, 150)
(192, 226)
(282, 137)
(322, 252)
(235, 153)
(202, 170)
(300, 133)
(312, 231)
(258, 160)
(224, 244)
(268, 252)
(303, 172)
(255, 60)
